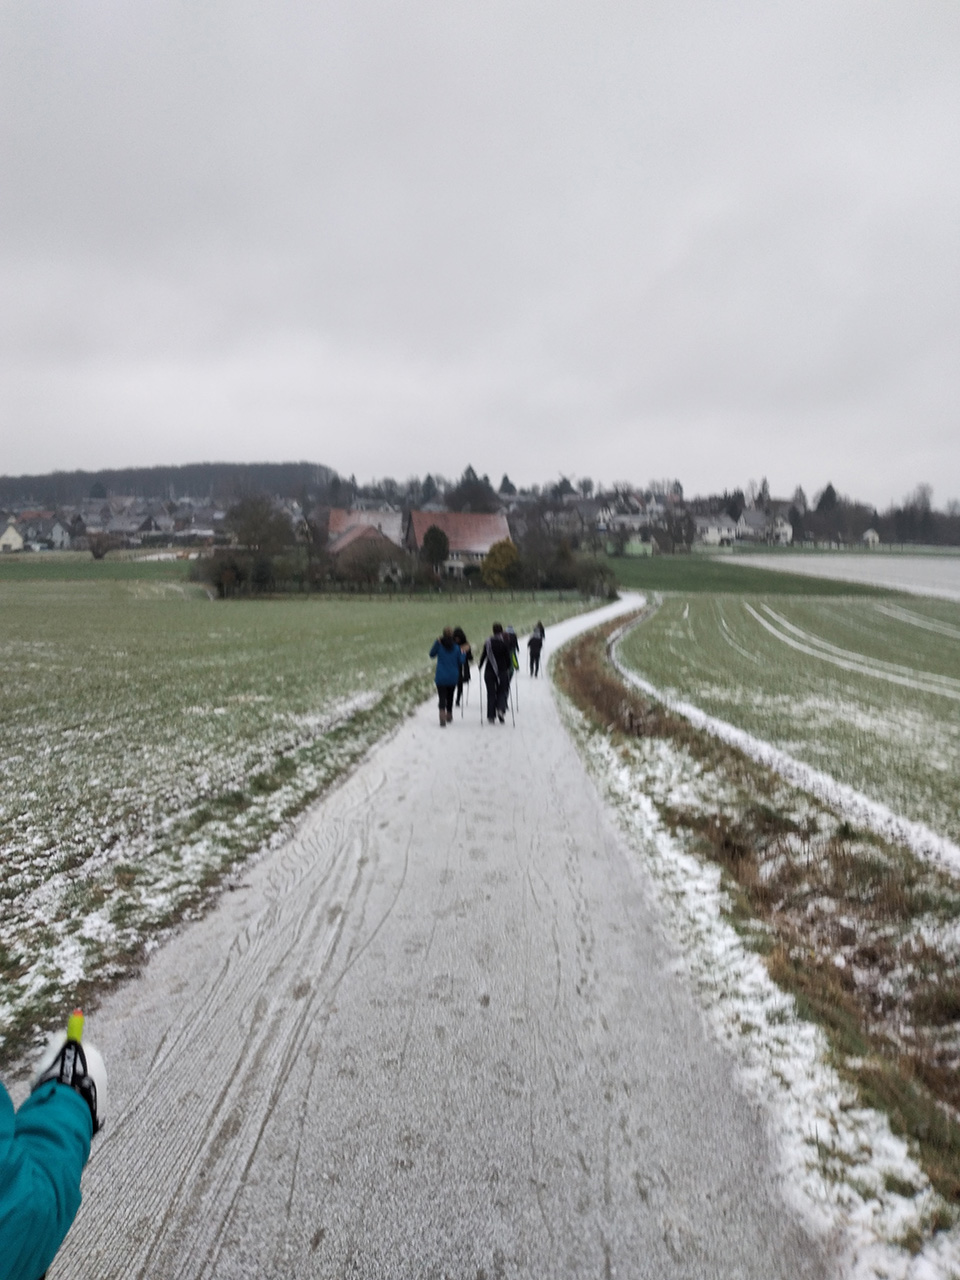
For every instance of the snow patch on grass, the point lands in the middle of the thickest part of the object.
(845, 1169)
(859, 808)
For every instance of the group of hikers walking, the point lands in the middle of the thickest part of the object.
(499, 658)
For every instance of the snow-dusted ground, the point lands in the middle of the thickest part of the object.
(859, 808)
(849, 660)
(841, 1158)
(925, 575)
(439, 1032)
(448, 1028)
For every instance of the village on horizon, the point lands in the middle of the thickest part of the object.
(373, 526)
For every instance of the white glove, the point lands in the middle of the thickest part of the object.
(78, 1065)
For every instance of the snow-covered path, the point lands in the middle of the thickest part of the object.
(437, 1033)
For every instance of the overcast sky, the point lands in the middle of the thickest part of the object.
(628, 240)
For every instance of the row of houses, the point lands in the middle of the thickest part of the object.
(38, 531)
(613, 521)
(128, 522)
(471, 535)
(757, 526)
(753, 526)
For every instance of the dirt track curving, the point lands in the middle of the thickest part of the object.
(437, 1033)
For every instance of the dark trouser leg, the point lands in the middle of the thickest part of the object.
(490, 680)
(445, 694)
(503, 692)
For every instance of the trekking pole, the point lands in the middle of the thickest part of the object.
(512, 716)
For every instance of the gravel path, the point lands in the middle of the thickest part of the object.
(437, 1033)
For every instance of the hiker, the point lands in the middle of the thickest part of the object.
(513, 644)
(460, 636)
(43, 1149)
(449, 658)
(534, 645)
(496, 657)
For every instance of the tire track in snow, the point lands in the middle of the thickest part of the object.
(899, 614)
(215, 1067)
(895, 668)
(812, 646)
(860, 808)
(727, 635)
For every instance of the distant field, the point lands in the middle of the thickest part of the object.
(866, 689)
(935, 572)
(74, 566)
(152, 738)
(728, 574)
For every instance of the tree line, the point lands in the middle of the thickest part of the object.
(217, 481)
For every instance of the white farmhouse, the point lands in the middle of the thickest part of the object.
(11, 538)
(715, 531)
(753, 525)
(757, 526)
(782, 533)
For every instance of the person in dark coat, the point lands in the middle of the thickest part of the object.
(449, 658)
(534, 645)
(460, 636)
(495, 663)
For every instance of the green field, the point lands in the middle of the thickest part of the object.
(154, 738)
(867, 690)
(74, 566)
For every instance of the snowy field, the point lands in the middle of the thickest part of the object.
(154, 739)
(934, 574)
(866, 691)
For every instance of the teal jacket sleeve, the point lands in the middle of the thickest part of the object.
(43, 1149)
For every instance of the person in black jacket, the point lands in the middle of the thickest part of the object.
(534, 645)
(497, 669)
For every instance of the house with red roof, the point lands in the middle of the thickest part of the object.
(470, 534)
(363, 550)
(384, 520)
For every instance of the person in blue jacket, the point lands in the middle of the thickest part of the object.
(449, 658)
(43, 1149)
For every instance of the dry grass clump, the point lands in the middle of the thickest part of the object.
(853, 927)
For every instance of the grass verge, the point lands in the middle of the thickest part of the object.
(859, 932)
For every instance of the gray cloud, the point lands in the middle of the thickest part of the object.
(648, 239)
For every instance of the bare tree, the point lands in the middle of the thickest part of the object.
(921, 499)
